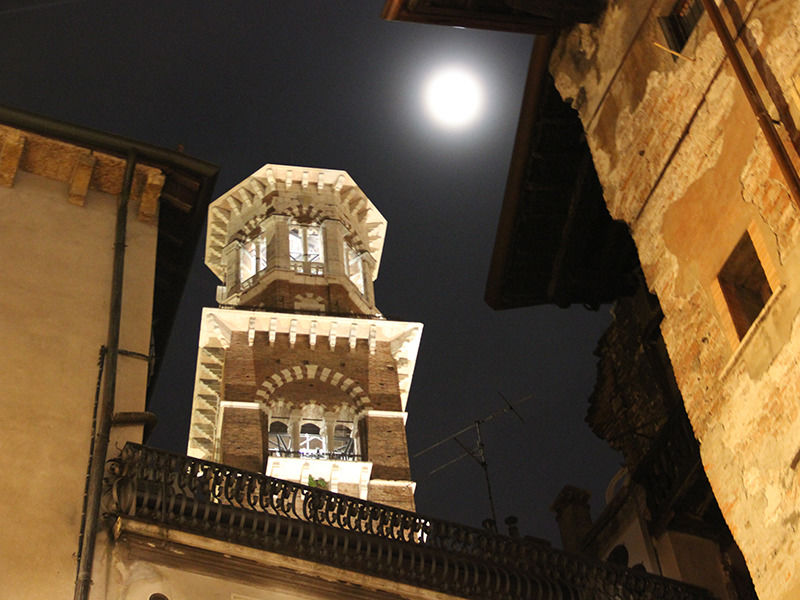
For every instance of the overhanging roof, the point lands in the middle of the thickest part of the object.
(521, 16)
(555, 242)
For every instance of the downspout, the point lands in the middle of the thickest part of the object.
(101, 363)
(756, 104)
(100, 447)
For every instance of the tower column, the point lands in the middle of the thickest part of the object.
(368, 264)
(333, 238)
(230, 258)
(330, 430)
(280, 242)
(294, 430)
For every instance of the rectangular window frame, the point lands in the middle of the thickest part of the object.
(252, 259)
(736, 324)
(679, 24)
(354, 267)
(300, 259)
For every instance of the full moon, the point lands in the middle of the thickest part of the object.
(453, 97)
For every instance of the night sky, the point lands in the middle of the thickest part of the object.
(327, 84)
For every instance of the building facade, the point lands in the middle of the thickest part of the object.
(60, 214)
(690, 110)
(661, 514)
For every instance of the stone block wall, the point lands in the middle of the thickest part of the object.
(683, 162)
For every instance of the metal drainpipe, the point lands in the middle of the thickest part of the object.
(753, 97)
(98, 458)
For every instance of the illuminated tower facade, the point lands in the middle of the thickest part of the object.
(299, 376)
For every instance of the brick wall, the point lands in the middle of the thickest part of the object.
(241, 440)
(291, 376)
(399, 496)
(387, 448)
(248, 367)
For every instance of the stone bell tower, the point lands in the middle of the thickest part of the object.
(299, 376)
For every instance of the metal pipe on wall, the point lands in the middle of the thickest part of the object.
(751, 92)
(100, 447)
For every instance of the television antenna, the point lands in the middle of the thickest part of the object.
(478, 452)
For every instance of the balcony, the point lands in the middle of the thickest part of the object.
(250, 509)
(671, 472)
(341, 472)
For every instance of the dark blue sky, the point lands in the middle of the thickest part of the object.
(328, 84)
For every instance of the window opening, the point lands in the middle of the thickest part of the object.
(305, 249)
(343, 442)
(312, 441)
(280, 441)
(354, 267)
(252, 258)
(744, 285)
(679, 24)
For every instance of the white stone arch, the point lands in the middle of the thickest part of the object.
(312, 371)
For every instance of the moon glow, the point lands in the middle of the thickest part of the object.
(453, 97)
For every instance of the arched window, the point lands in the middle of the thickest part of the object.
(280, 442)
(343, 442)
(306, 253)
(311, 439)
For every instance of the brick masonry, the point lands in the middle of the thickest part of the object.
(291, 376)
(354, 374)
(683, 162)
(262, 366)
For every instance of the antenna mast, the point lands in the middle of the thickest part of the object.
(478, 454)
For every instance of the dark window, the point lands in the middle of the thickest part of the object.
(679, 24)
(343, 442)
(280, 442)
(619, 555)
(311, 439)
(744, 285)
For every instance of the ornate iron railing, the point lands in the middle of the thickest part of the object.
(254, 510)
(347, 456)
(669, 467)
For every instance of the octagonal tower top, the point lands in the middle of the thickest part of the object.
(296, 238)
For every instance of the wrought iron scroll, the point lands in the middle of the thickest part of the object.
(344, 456)
(252, 509)
(669, 466)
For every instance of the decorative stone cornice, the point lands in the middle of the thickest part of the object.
(269, 188)
(81, 168)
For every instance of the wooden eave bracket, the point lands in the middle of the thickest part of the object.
(81, 178)
(151, 192)
(10, 155)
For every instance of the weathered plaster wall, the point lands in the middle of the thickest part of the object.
(55, 268)
(683, 162)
